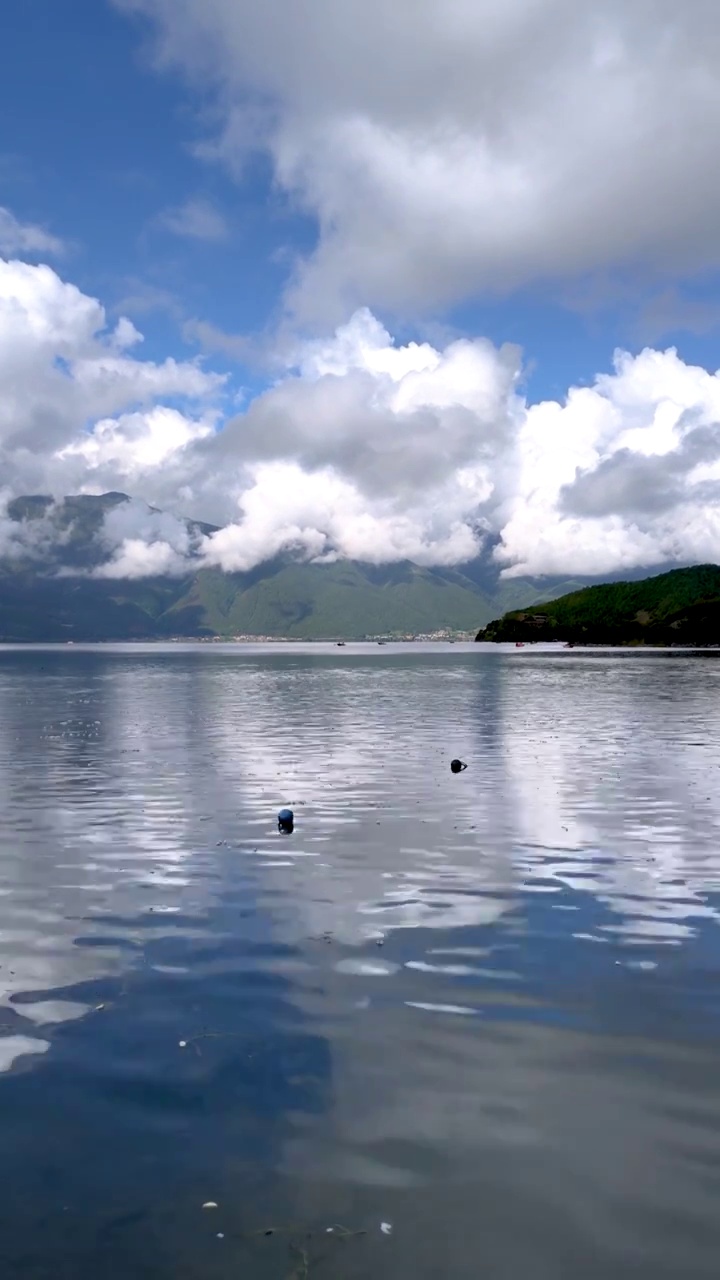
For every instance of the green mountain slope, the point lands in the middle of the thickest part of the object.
(48, 593)
(345, 600)
(679, 607)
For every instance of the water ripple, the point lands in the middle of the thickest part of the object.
(480, 1007)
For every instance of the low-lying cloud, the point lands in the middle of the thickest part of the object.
(361, 449)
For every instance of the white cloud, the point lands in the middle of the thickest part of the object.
(72, 400)
(25, 237)
(144, 543)
(137, 559)
(134, 443)
(624, 474)
(196, 220)
(373, 451)
(323, 516)
(450, 148)
(362, 448)
(378, 453)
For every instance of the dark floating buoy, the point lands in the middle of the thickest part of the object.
(286, 821)
(457, 766)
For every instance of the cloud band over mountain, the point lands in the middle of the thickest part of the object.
(362, 448)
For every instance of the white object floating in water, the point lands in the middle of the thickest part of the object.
(182, 1044)
(210, 1204)
(221, 1235)
(386, 1228)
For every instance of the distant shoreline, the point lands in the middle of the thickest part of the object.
(504, 648)
(466, 638)
(217, 640)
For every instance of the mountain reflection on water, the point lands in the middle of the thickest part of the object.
(480, 1008)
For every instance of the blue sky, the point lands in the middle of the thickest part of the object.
(101, 144)
(241, 182)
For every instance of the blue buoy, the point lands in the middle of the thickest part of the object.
(286, 821)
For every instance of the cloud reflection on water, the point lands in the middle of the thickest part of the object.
(120, 775)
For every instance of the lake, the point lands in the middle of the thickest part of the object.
(453, 1026)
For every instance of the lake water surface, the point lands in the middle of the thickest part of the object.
(474, 1019)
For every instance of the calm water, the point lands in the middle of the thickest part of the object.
(483, 1010)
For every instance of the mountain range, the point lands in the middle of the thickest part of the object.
(52, 589)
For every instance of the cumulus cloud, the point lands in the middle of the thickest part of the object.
(621, 475)
(396, 420)
(25, 237)
(322, 516)
(73, 399)
(445, 149)
(132, 444)
(362, 448)
(196, 220)
(412, 452)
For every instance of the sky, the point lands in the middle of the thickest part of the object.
(350, 279)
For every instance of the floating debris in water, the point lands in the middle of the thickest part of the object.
(210, 1204)
(386, 1228)
(182, 1044)
(457, 766)
(286, 821)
